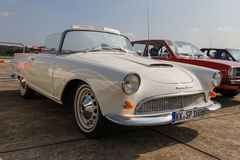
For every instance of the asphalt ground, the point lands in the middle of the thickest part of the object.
(42, 129)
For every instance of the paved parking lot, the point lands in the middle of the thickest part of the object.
(42, 129)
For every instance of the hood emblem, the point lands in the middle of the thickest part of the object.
(183, 87)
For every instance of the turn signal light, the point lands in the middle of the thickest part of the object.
(213, 94)
(128, 105)
(126, 118)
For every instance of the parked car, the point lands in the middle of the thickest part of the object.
(188, 53)
(223, 54)
(97, 72)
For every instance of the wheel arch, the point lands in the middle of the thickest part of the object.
(69, 90)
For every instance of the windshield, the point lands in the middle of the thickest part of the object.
(235, 53)
(186, 49)
(86, 41)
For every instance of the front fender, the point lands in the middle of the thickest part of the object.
(102, 80)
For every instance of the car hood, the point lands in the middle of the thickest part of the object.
(216, 61)
(160, 71)
(229, 63)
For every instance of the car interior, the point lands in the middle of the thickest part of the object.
(158, 49)
(219, 54)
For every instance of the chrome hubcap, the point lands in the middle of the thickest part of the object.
(87, 109)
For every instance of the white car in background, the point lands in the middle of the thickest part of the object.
(97, 73)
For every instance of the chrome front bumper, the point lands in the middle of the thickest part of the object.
(237, 81)
(161, 119)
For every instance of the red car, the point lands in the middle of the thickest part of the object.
(188, 53)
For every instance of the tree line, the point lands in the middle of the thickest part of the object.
(10, 50)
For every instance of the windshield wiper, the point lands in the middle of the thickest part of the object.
(200, 56)
(184, 54)
(191, 55)
(120, 49)
(96, 49)
(105, 48)
(70, 51)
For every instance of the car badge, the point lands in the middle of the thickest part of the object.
(181, 86)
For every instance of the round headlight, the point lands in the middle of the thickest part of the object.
(216, 79)
(131, 83)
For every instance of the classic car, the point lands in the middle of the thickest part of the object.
(98, 74)
(223, 54)
(184, 52)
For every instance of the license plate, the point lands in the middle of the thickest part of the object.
(186, 115)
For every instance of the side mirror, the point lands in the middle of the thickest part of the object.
(139, 52)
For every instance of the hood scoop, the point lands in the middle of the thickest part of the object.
(160, 65)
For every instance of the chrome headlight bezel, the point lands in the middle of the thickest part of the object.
(131, 83)
(232, 72)
(216, 79)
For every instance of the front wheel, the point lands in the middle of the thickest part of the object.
(229, 93)
(24, 90)
(87, 112)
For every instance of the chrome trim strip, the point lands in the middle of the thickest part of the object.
(7, 79)
(238, 71)
(44, 94)
(237, 81)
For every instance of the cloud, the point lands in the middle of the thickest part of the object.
(6, 14)
(196, 30)
(225, 28)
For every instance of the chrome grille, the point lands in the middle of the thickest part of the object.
(169, 103)
(238, 72)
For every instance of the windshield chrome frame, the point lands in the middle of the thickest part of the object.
(59, 52)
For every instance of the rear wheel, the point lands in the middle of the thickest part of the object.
(24, 90)
(229, 93)
(87, 112)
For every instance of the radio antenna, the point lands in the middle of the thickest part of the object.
(148, 32)
(209, 27)
(210, 37)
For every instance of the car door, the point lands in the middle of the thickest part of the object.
(41, 72)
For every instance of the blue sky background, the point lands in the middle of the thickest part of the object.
(29, 21)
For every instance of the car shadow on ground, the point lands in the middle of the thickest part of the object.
(29, 124)
(134, 143)
(226, 102)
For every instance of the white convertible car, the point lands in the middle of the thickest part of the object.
(98, 73)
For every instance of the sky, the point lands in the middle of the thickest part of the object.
(204, 23)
